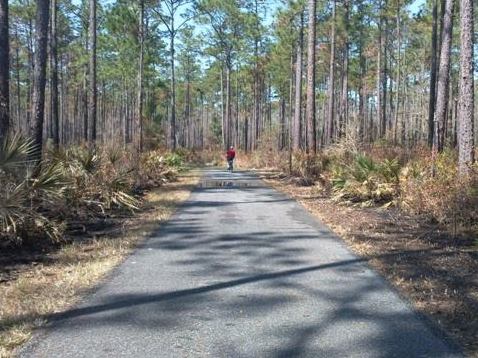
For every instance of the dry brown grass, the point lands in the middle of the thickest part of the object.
(45, 288)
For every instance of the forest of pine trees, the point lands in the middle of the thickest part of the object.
(363, 108)
(201, 73)
(290, 77)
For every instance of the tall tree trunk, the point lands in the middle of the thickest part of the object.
(385, 77)
(223, 110)
(139, 105)
(237, 136)
(345, 75)
(443, 78)
(297, 122)
(433, 73)
(18, 89)
(40, 59)
(92, 95)
(55, 122)
(188, 124)
(331, 94)
(381, 45)
(283, 128)
(172, 121)
(310, 104)
(203, 124)
(289, 132)
(227, 119)
(399, 75)
(84, 111)
(31, 75)
(466, 93)
(4, 72)
(362, 95)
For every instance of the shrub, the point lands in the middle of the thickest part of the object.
(154, 170)
(174, 160)
(366, 181)
(24, 197)
(77, 183)
(440, 194)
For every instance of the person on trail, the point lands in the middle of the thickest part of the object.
(230, 155)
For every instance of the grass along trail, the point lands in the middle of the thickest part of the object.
(40, 289)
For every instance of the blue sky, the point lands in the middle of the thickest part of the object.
(416, 5)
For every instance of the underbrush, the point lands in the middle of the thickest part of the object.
(35, 286)
(366, 180)
(385, 175)
(438, 192)
(78, 183)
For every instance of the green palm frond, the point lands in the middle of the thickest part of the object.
(15, 153)
(390, 170)
(363, 167)
(13, 206)
(50, 183)
(114, 154)
(88, 159)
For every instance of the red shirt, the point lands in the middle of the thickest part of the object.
(231, 154)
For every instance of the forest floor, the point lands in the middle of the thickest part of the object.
(434, 269)
(41, 279)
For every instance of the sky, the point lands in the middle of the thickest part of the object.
(416, 5)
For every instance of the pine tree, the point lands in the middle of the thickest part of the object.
(40, 58)
(139, 105)
(465, 86)
(55, 120)
(310, 104)
(92, 85)
(4, 72)
(297, 122)
(443, 78)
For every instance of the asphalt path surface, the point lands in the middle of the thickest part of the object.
(241, 271)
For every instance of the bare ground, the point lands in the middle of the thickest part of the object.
(39, 279)
(434, 269)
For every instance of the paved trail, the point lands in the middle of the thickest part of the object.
(241, 271)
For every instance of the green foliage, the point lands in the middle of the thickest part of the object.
(174, 160)
(76, 183)
(23, 196)
(364, 180)
(15, 153)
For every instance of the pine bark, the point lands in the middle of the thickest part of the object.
(399, 73)
(55, 121)
(172, 121)
(465, 87)
(310, 104)
(331, 94)
(227, 119)
(40, 61)
(381, 44)
(297, 122)
(433, 73)
(139, 105)
(443, 78)
(4, 72)
(93, 93)
(345, 75)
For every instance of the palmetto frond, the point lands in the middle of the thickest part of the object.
(49, 183)
(13, 200)
(15, 153)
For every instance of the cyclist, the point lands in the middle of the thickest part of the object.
(230, 155)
